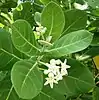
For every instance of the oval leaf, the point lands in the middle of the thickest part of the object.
(74, 23)
(53, 19)
(23, 37)
(48, 94)
(71, 43)
(26, 79)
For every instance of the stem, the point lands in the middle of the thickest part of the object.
(42, 63)
(41, 69)
(42, 36)
(69, 3)
(97, 83)
(78, 97)
(96, 75)
(39, 58)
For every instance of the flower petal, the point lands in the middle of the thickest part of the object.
(46, 72)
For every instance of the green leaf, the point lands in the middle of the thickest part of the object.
(93, 3)
(95, 41)
(74, 23)
(2, 75)
(26, 79)
(7, 91)
(96, 93)
(94, 27)
(23, 38)
(5, 88)
(71, 43)
(48, 94)
(24, 11)
(37, 7)
(9, 4)
(92, 52)
(6, 50)
(79, 80)
(95, 12)
(53, 19)
(45, 1)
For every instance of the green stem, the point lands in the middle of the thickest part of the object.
(69, 3)
(42, 63)
(41, 69)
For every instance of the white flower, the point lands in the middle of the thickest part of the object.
(56, 70)
(64, 65)
(50, 80)
(52, 68)
(64, 72)
(58, 77)
(58, 61)
(53, 62)
(64, 68)
(81, 7)
(41, 29)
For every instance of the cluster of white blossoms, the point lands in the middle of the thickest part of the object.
(40, 30)
(55, 72)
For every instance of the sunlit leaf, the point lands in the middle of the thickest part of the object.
(71, 43)
(53, 19)
(23, 38)
(26, 79)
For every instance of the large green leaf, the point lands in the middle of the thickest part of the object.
(53, 19)
(75, 20)
(48, 94)
(26, 79)
(24, 11)
(70, 43)
(79, 80)
(23, 37)
(6, 50)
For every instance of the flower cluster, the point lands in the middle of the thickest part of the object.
(40, 30)
(56, 70)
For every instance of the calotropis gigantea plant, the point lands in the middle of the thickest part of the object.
(43, 67)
